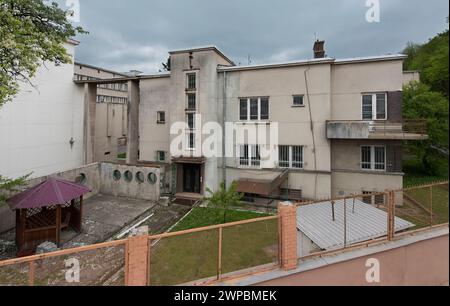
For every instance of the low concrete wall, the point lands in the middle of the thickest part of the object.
(144, 190)
(7, 219)
(422, 259)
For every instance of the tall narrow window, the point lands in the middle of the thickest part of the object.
(253, 109)
(244, 155)
(381, 106)
(297, 157)
(191, 140)
(367, 107)
(191, 81)
(366, 160)
(380, 158)
(284, 156)
(264, 108)
(256, 157)
(243, 109)
(190, 121)
(192, 101)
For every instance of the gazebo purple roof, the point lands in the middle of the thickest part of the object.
(54, 191)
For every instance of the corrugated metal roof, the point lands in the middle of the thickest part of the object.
(366, 223)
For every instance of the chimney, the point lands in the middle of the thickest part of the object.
(319, 50)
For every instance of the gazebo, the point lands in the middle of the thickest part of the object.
(44, 210)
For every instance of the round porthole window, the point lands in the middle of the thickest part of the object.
(117, 175)
(140, 177)
(81, 178)
(128, 176)
(152, 178)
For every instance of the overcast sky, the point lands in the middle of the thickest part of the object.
(137, 34)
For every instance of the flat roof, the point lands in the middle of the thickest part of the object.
(365, 224)
(125, 79)
(100, 68)
(315, 61)
(204, 48)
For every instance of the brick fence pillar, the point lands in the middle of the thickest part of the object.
(288, 219)
(138, 255)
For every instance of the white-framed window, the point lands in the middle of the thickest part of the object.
(373, 158)
(191, 101)
(161, 117)
(290, 157)
(161, 155)
(374, 106)
(250, 155)
(298, 100)
(254, 109)
(191, 81)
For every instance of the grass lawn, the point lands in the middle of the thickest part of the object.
(181, 259)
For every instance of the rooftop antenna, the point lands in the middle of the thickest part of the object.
(249, 59)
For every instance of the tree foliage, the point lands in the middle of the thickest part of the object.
(32, 32)
(429, 99)
(9, 185)
(224, 199)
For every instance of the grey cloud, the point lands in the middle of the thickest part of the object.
(136, 34)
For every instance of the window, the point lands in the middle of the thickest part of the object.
(192, 101)
(254, 109)
(374, 106)
(191, 81)
(161, 155)
(190, 118)
(191, 140)
(250, 155)
(161, 117)
(298, 101)
(290, 157)
(373, 158)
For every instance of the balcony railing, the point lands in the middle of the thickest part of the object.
(360, 129)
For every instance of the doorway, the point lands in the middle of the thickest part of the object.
(191, 178)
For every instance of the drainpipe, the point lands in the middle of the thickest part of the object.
(224, 118)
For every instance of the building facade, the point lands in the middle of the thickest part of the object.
(111, 114)
(325, 127)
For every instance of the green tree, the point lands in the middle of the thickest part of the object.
(224, 199)
(9, 185)
(32, 32)
(421, 102)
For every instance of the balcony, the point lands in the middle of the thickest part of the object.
(359, 129)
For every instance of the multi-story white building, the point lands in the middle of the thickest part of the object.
(338, 122)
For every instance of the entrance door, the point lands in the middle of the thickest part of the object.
(191, 179)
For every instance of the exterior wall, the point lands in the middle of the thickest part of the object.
(110, 117)
(355, 183)
(421, 263)
(280, 85)
(349, 178)
(110, 127)
(349, 81)
(37, 126)
(169, 94)
(134, 189)
(411, 76)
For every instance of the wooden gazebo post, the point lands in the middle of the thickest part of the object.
(58, 225)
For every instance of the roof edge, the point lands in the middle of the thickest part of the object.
(205, 48)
